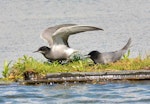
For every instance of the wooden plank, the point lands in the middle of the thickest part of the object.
(92, 76)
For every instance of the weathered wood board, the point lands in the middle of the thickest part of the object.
(91, 76)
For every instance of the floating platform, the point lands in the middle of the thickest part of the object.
(87, 77)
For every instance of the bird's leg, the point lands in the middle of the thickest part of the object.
(50, 61)
(64, 62)
(69, 60)
(60, 61)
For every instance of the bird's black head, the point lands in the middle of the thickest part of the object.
(44, 50)
(94, 55)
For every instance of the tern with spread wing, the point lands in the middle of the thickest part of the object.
(57, 38)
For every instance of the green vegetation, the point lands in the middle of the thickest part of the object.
(126, 56)
(6, 69)
(27, 63)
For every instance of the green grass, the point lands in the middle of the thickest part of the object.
(27, 63)
(6, 69)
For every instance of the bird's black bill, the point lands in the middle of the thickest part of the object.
(101, 29)
(35, 51)
(87, 56)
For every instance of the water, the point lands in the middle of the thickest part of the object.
(110, 93)
(22, 21)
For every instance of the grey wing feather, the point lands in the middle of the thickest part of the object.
(62, 34)
(47, 34)
(59, 34)
(127, 45)
(116, 55)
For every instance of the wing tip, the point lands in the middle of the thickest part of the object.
(99, 29)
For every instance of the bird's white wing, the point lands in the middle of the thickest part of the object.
(47, 34)
(60, 36)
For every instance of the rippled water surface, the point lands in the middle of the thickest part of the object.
(109, 93)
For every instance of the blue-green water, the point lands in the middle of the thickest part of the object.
(109, 93)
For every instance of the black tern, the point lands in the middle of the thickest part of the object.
(108, 57)
(57, 38)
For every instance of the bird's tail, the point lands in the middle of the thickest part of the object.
(127, 45)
